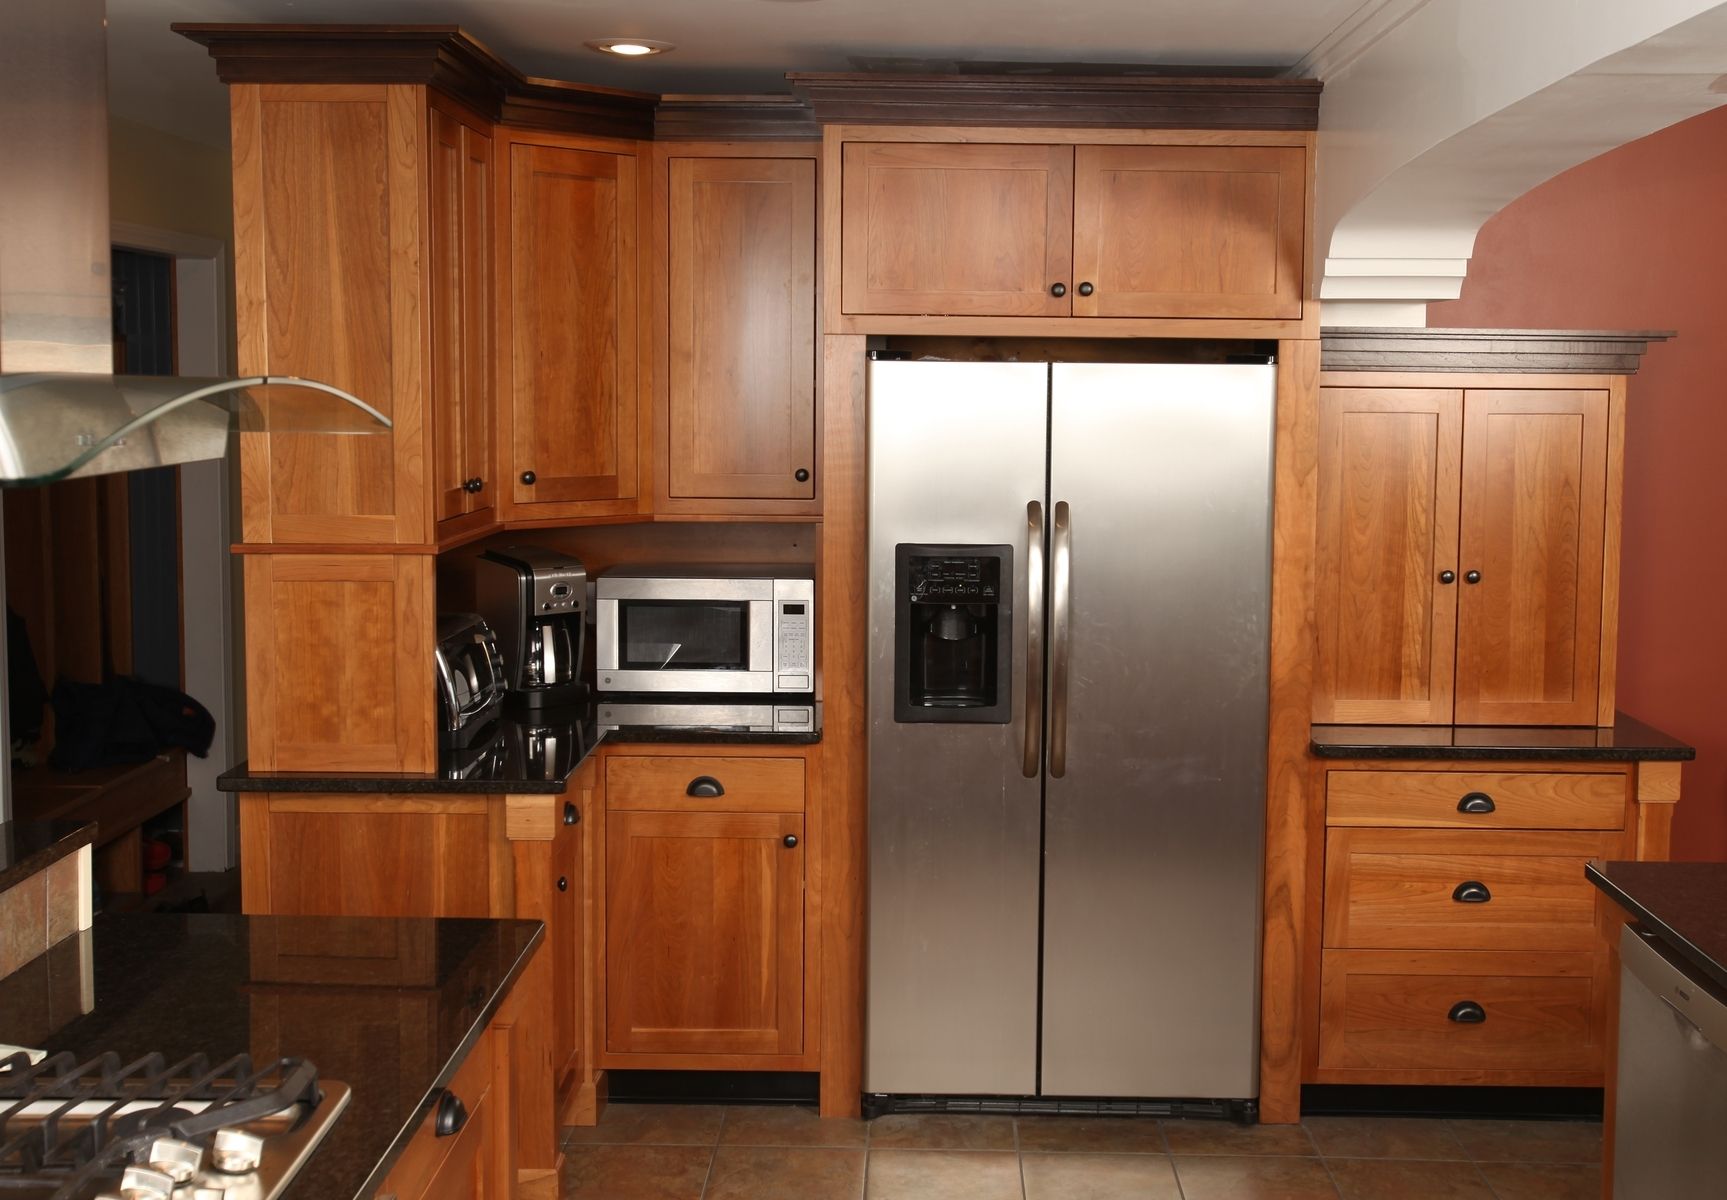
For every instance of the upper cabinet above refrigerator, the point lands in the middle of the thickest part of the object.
(1092, 231)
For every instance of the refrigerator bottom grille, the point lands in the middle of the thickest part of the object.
(878, 1104)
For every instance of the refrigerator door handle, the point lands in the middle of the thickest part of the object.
(1033, 639)
(1060, 635)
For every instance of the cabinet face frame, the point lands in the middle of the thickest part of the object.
(836, 321)
(615, 495)
(655, 385)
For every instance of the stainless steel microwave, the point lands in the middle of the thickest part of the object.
(705, 630)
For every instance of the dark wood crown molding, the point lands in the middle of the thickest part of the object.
(1550, 351)
(1173, 101)
(440, 56)
(734, 118)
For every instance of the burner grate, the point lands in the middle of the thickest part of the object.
(77, 1122)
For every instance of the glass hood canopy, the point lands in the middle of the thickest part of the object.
(61, 426)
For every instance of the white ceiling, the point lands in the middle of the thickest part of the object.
(159, 78)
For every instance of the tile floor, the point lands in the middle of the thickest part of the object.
(689, 1152)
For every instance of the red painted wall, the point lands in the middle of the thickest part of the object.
(1637, 239)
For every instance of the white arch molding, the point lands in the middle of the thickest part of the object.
(1438, 113)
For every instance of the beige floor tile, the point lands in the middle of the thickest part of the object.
(940, 1131)
(783, 1125)
(1543, 1181)
(943, 1175)
(1382, 1179)
(1227, 1137)
(651, 1125)
(1098, 1177)
(1530, 1141)
(1261, 1177)
(1383, 1137)
(635, 1172)
(1101, 1135)
(781, 1173)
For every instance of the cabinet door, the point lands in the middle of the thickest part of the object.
(572, 325)
(704, 933)
(1188, 231)
(1534, 507)
(460, 277)
(741, 316)
(1388, 495)
(962, 230)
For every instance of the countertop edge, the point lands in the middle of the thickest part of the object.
(1690, 951)
(41, 859)
(393, 1153)
(1342, 750)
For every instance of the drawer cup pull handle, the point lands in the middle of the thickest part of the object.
(1471, 891)
(572, 814)
(1467, 1012)
(705, 786)
(452, 1115)
(1476, 802)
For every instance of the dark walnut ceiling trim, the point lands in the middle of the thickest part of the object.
(440, 56)
(734, 118)
(1553, 351)
(1176, 101)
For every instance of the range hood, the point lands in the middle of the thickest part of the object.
(63, 412)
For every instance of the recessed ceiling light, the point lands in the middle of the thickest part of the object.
(629, 47)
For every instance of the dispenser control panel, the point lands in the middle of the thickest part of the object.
(948, 580)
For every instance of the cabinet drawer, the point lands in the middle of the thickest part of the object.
(1409, 889)
(1512, 800)
(1398, 1012)
(733, 784)
(421, 1171)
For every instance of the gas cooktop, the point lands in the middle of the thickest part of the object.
(151, 1130)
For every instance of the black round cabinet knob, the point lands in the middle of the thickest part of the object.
(563, 883)
(1085, 289)
(1448, 577)
(1058, 290)
(802, 475)
(1472, 577)
(529, 478)
(791, 840)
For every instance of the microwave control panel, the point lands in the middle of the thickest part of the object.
(794, 610)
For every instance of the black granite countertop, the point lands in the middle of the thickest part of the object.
(1626, 740)
(27, 847)
(388, 1007)
(1683, 903)
(518, 756)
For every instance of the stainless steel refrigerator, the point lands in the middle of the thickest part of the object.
(1069, 616)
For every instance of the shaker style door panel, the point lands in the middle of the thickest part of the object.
(741, 315)
(1530, 557)
(1188, 231)
(1387, 539)
(963, 230)
(572, 325)
(459, 270)
(328, 205)
(704, 933)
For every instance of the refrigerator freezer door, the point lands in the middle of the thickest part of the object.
(957, 451)
(1154, 831)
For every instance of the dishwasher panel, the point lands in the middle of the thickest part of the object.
(1672, 1099)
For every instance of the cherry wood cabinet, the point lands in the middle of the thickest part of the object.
(568, 350)
(1024, 229)
(1188, 231)
(1462, 556)
(972, 229)
(739, 336)
(709, 903)
(460, 236)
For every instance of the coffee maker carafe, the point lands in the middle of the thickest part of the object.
(536, 601)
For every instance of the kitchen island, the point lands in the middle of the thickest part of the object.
(393, 1009)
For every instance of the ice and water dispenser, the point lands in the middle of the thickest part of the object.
(953, 634)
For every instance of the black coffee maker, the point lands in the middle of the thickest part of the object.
(953, 645)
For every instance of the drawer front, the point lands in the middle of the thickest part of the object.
(1410, 889)
(1476, 799)
(1395, 1012)
(691, 784)
(420, 1169)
